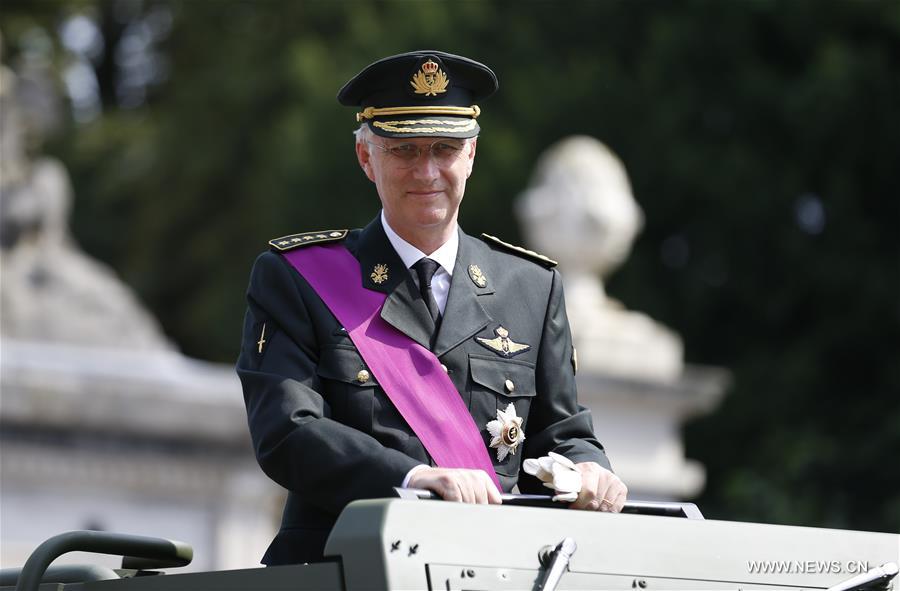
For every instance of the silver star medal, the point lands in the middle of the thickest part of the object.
(506, 432)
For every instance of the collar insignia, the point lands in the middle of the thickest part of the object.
(506, 432)
(379, 274)
(429, 80)
(477, 276)
(502, 344)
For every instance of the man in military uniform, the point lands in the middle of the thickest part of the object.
(333, 422)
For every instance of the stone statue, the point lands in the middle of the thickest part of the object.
(145, 438)
(579, 210)
(50, 290)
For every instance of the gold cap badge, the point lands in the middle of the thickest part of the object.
(430, 80)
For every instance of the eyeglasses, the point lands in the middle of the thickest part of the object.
(443, 152)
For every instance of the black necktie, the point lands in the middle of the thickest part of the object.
(425, 269)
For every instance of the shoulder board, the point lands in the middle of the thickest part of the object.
(530, 254)
(302, 239)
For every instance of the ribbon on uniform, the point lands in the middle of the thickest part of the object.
(409, 374)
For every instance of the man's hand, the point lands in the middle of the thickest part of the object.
(456, 484)
(601, 490)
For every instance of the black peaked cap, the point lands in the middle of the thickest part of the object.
(422, 93)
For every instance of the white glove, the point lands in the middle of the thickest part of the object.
(556, 472)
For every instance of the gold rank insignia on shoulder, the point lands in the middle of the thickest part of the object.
(502, 344)
(530, 254)
(430, 80)
(379, 274)
(477, 276)
(294, 240)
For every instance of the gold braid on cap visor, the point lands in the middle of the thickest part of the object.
(372, 112)
(452, 126)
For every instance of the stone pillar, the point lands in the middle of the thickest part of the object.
(579, 210)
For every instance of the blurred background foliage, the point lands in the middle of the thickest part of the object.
(762, 139)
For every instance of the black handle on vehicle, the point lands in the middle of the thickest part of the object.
(663, 509)
(161, 552)
(62, 573)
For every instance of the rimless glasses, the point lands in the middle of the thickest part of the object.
(443, 152)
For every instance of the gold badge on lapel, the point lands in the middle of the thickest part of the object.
(429, 80)
(502, 344)
(477, 276)
(379, 274)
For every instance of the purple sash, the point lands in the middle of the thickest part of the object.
(410, 374)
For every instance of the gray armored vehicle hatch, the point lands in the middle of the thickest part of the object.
(414, 544)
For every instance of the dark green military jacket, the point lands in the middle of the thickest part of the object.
(328, 433)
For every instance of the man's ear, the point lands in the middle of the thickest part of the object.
(364, 157)
(471, 156)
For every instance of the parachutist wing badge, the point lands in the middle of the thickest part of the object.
(502, 344)
(495, 345)
(515, 348)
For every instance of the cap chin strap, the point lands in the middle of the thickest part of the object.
(372, 112)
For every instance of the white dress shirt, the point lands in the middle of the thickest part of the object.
(445, 256)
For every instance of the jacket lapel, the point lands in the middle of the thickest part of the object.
(404, 308)
(466, 316)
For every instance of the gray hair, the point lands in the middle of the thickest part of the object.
(362, 133)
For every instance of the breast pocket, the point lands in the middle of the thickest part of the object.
(349, 386)
(497, 383)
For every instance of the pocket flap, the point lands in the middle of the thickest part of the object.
(345, 365)
(508, 377)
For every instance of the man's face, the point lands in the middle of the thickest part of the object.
(423, 194)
